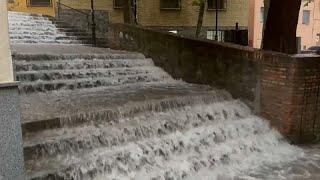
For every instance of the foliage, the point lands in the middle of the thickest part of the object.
(201, 4)
(198, 2)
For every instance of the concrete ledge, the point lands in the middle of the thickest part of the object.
(9, 84)
(11, 151)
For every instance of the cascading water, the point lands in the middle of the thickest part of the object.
(93, 115)
(220, 140)
(27, 28)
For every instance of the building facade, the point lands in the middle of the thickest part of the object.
(182, 16)
(177, 16)
(308, 26)
(45, 7)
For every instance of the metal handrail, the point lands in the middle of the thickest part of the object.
(91, 21)
(59, 4)
(93, 25)
(87, 14)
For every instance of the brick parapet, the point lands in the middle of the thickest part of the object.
(280, 87)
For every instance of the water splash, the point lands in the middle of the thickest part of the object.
(215, 141)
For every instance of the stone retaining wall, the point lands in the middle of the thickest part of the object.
(83, 21)
(277, 86)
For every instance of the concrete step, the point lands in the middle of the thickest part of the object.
(46, 41)
(63, 25)
(80, 83)
(80, 38)
(40, 37)
(34, 33)
(77, 33)
(69, 29)
(80, 64)
(24, 14)
(50, 143)
(35, 22)
(23, 17)
(70, 108)
(156, 150)
(49, 39)
(47, 24)
(46, 30)
(28, 18)
(51, 75)
(33, 42)
(71, 57)
(40, 29)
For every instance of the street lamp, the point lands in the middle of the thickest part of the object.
(216, 35)
(93, 28)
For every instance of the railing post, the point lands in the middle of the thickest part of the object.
(59, 8)
(93, 27)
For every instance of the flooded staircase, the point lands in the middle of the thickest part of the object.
(97, 113)
(35, 28)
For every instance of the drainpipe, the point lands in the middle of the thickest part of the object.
(266, 5)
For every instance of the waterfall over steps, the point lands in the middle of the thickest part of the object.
(99, 114)
(33, 28)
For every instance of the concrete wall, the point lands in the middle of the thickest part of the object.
(6, 68)
(83, 21)
(11, 153)
(273, 84)
(21, 6)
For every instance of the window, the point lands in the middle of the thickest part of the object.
(306, 17)
(117, 4)
(262, 14)
(221, 4)
(170, 4)
(42, 3)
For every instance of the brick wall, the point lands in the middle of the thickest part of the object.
(198, 61)
(281, 88)
(289, 95)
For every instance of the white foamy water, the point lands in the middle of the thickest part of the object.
(229, 148)
(28, 28)
(216, 141)
(164, 129)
